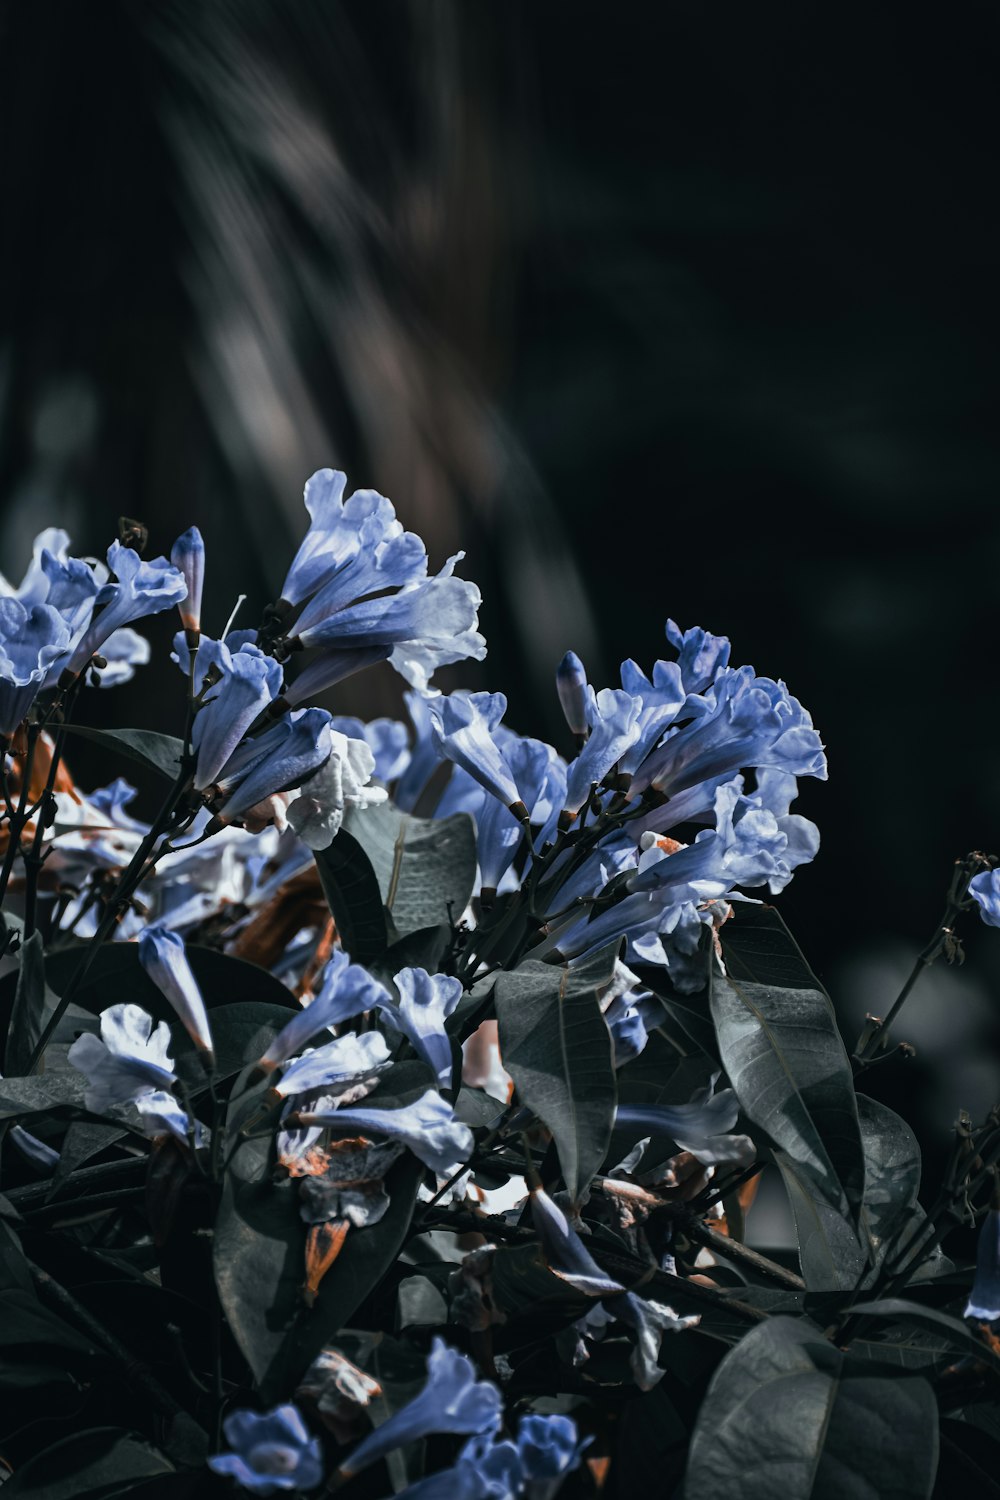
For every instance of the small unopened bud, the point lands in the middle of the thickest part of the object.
(571, 685)
(188, 557)
(132, 533)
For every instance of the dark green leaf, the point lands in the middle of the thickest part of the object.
(790, 1071)
(32, 1096)
(28, 1326)
(86, 1464)
(259, 1254)
(477, 1108)
(425, 867)
(758, 946)
(954, 1332)
(557, 1048)
(116, 974)
(788, 1414)
(157, 752)
(83, 1139)
(421, 949)
(353, 896)
(29, 1006)
(829, 1251)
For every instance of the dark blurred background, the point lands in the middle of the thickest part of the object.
(655, 309)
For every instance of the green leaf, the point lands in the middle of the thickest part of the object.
(788, 1414)
(788, 1066)
(86, 1464)
(557, 1048)
(421, 949)
(83, 1139)
(830, 1253)
(954, 1332)
(477, 1108)
(259, 1252)
(157, 752)
(353, 896)
(758, 946)
(425, 867)
(32, 1096)
(116, 974)
(29, 1006)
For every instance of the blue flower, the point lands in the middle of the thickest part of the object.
(571, 685)
(162, 954)
(276, 761)
(984, 1299)
(345, 1061)
(549, 1449)
(742, 721)
(188, 557)
(329, 668)
(427, 1126)
(613, 719)
(161, 1115)
(700, 656)
(388, 740)
(31, 639)
(540, 776)
(484, 1470)
(129, 1058)
(142, 588)
(464, 726)
(568, 1259)
(424, 756)
(123, 650)
(425, 1002)
(384, 560)
(247, 682)
(985, 891)
(452, 1400)
(271, 1451)
(701, 1127)
(426, 625)
(343, 781)
(663, 696)
(338, 531)
(347, 990)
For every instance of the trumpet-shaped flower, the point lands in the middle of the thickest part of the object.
(984, 1299)
(572, 1262)
(122, 652)
(278, 760)
(384, 560)
(347, 990)
(142, 588)
(162, 1115)
(247, 682)
(317, 813)
(346, 1060)
(613, 717)
(338, 531)
(129, 1058)
(452, 1400)
(701, 1127)
(425, 1002)
(743, 720)
(464, 727)
(427, 1126)
(188, 557)
(700, 656)
(351, 1187)
(985, 891)
(163, 956)
(31, 639)
(271, 1451)
(387, 739)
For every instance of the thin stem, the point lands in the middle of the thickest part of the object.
(721, 1244)
(33, 860)
(17, 819)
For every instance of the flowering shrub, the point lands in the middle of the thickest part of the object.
(384, 1115)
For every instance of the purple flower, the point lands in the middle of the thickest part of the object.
(338, 531)
(271, 1451)
(700, 656)
(343, 781)
(163, 956)
(464, 726)
(452, 1400)
(276, 761)
(549, 1449)
(701, 1127)
(388, 740)
(344, 1061)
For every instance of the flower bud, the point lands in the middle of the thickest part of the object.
(571, 685)
(162, 955)
(188, 557)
